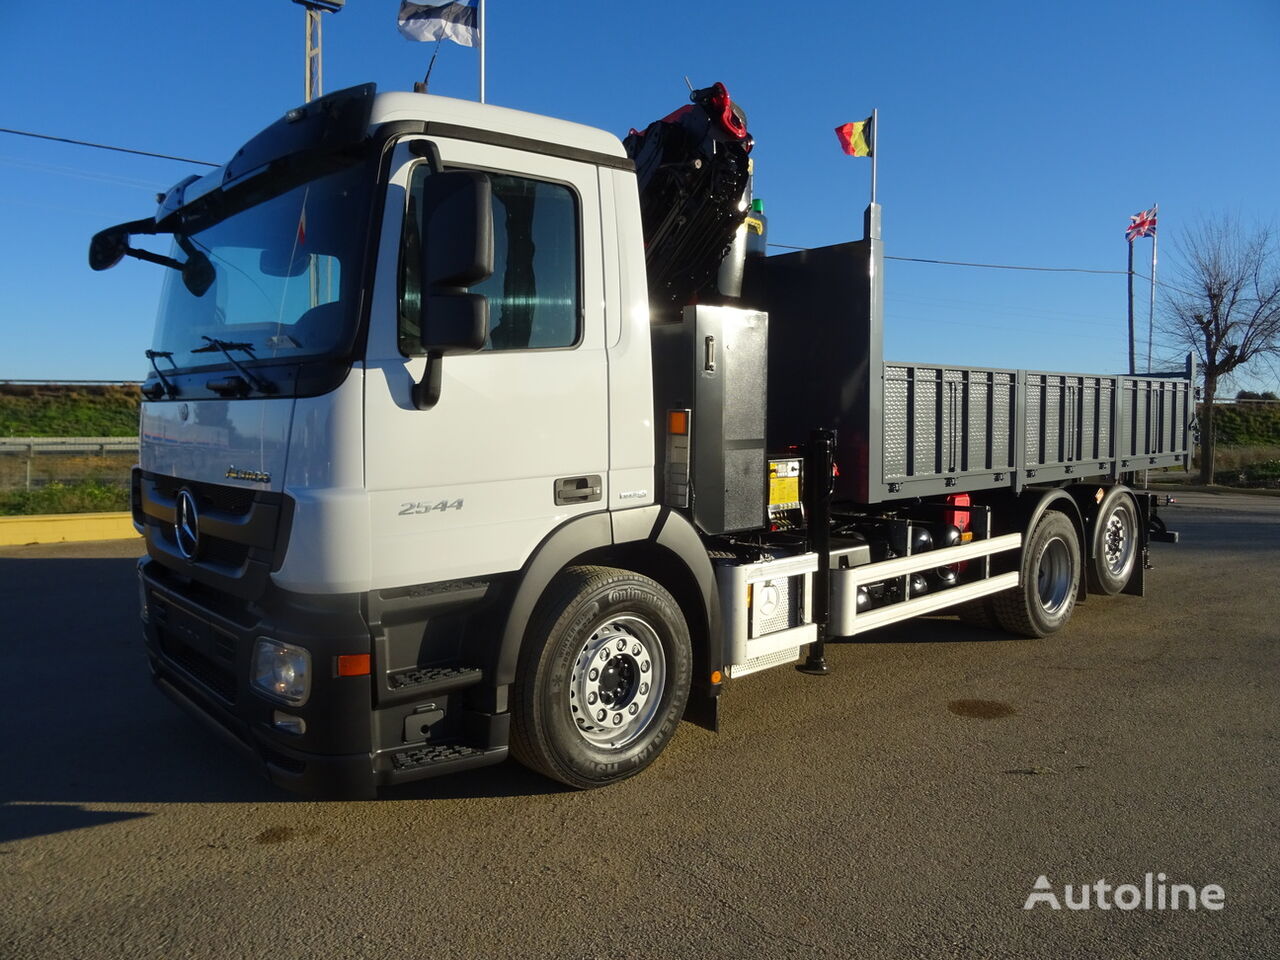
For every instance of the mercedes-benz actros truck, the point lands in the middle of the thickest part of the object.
(470, 432)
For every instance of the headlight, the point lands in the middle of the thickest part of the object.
(282, 671)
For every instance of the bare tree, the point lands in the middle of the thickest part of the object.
(1224, 305)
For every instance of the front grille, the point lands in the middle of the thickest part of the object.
(240, 536)
(236, 501)
(225, 553)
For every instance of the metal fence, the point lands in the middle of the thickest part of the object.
(30, 462)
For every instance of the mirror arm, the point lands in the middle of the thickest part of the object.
(426, 393)
(153, 258)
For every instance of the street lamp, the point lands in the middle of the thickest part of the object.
(314, 74)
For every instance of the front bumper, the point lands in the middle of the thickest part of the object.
(200, 646)
(360, 733)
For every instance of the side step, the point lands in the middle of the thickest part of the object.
(426, 681)
(433, 760)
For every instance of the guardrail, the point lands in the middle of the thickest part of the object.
(27, 462)
(99, 445)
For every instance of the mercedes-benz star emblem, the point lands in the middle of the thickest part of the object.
(186, 524)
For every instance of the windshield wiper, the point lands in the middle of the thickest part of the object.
(166, 388)
(235, 384)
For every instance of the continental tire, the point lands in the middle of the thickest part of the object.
(977, 613)
(603, 677)
(1050, 577)
(1115, 542)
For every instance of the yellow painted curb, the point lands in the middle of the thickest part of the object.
(65, 527)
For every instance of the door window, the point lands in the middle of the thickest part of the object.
(534, 291)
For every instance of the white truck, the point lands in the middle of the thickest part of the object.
(432, 471)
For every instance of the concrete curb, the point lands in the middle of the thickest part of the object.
(65, 528)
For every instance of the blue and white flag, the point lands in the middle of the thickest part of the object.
(456, 21)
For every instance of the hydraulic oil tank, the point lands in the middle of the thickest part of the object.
(708, 387)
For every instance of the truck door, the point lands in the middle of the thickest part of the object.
(518, 442)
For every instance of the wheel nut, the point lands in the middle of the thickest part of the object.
(622, 644)
(644, 666)
(617, 719)
(633, 709)
(644, 688)
(594, 674)
(602, 714)
(591, 698)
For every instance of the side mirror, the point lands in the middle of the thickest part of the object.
(198, 274)
(107, 248)
(457, 252)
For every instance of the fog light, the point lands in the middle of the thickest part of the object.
(288, 723)
(282, 671)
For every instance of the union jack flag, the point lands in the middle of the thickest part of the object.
(1142, 224)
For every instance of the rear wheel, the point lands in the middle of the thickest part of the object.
(1115, 542)
(1050, 577)
(977, 613)
(603, 677)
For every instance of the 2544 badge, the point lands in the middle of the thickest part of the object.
(422, 506)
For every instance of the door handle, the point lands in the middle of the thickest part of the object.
(570, 490)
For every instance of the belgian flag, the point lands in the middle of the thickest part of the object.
(857, 139)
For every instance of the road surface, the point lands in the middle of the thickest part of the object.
(902, 807)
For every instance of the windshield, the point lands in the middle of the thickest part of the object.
(286, 277)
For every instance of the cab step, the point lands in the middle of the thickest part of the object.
(424, 681)
(435, 759)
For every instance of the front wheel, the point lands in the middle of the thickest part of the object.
(603, 677)
(1043, 601)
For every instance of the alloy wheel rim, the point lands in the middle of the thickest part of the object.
(617, 681)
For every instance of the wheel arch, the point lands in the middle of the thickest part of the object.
(1034, 502)
(653, 541)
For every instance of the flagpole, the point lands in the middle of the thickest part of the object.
(1132, 366)
(1151, 316)
(875, 149)
(483, 40)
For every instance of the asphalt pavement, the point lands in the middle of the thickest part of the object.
(904, 806)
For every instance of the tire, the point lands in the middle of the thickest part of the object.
(1042, 602)
(603, 677)
(977, 613)
(1115, 542)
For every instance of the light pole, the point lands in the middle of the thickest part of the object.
(314, 73)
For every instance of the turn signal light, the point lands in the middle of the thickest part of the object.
(353, 665)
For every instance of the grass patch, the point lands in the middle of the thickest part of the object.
(69, 410)
(1265, 473)
(86, 496)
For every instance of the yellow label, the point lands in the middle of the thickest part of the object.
(784, 490)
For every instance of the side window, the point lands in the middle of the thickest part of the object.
(533, 292)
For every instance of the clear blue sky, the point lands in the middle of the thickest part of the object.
(1011, 132)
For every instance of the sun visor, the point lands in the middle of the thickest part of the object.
(324, 125)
